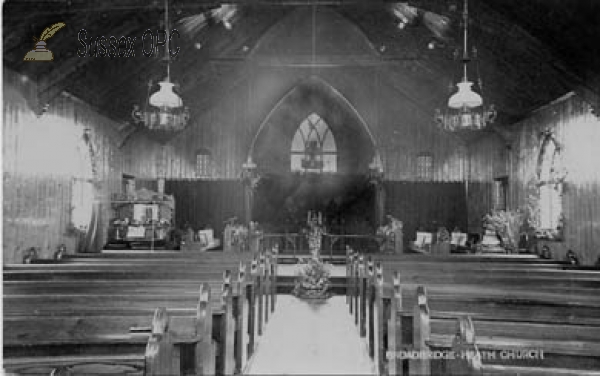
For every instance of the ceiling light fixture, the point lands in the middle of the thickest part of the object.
(225, 14)
(466, 109)
(164, 110)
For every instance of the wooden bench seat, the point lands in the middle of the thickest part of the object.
(105, 333)
(571, 346)
(500, 356)
(568, 346)
(147, 254)
(480, 274)
(519, 259)
(151, 354)
(92, 303)
(39, 324)
(123, 290)
(126, 364)
(566, 326)
(129, 299)
(107, 279)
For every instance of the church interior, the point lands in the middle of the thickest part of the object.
(390, 183)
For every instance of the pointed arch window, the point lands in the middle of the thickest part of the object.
(82, 185)
(313, 147)
(551, 177)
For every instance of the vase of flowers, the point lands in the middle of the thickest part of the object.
(442, 244)
(312, 280)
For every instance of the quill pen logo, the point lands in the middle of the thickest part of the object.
(40, 52)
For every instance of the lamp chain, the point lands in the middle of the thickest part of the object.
(465, 37)
(167, 54)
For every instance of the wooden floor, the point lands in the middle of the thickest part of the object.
(303, 338)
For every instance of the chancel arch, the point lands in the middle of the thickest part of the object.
(352, 137)
(313, 152)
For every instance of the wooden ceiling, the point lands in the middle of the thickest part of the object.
(530, 52)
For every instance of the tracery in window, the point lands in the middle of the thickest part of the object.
(313, 147)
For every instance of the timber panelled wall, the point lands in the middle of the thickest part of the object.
(427, 206)
(488, 159)
(42, 159)
(578, 132)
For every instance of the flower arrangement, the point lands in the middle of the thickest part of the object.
(507, 225)
(239, 234)
(312, 281)
(390, 228)
(443, 236)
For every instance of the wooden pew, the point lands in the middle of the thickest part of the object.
(361, 287)
(167, 255)
(557, 350)
(57, 328)
(141, 296)
(538, 277)
(574, 344)
(465, 342)
(490, 258)
(230, 310)
(141, 269)
(122, 262)
(152, 354)
(122, 278)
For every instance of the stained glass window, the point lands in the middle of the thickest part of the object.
(313, 147)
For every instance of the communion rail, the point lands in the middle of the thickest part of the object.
(296, 244)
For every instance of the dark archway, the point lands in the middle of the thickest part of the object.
(271, 146)
(283, 197)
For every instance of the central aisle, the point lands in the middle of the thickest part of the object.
(303, 338)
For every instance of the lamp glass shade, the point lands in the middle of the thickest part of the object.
(165, 97)
(465, 97)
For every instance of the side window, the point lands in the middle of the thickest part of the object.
(425, 166)
(203, 164)
(550, 188)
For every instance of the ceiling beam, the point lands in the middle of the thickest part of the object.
(120, 4)
(76, 6)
